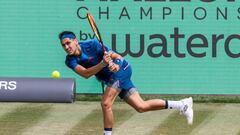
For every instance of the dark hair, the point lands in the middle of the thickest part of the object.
(65, 33)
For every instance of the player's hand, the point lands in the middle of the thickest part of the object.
(107, 58)
(113, 67)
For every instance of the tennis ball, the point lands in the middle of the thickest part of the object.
(55, 74)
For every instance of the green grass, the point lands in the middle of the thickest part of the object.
(16, 119)
(92, 124)
(196, 98)
(23, 117)
(175, 124)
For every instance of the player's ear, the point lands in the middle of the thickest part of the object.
(75, 40)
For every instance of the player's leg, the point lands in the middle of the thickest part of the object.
(135, 100)
(132, 97)
(141, 106)
(107, 102)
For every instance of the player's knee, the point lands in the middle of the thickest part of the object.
(140, 109)
(106, 105)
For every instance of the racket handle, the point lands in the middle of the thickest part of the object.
(111, 61)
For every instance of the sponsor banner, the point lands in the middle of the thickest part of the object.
(37, 89)
(174, 46)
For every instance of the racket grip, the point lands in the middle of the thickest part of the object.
(110, 63)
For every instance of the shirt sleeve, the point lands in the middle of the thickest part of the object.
(71, 62)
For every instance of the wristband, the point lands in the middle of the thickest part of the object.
(118, 61)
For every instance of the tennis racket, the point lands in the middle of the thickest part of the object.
(98, 36)
(95, 30)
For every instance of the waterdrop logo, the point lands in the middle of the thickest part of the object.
(8, 85)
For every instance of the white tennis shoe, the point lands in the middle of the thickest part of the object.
(187, 110)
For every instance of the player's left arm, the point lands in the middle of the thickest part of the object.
(117, 61)
(114, 55)
(110, 55)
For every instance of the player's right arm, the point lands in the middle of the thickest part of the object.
(88, 72)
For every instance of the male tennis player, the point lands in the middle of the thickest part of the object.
(86, 58)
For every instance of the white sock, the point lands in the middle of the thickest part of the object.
(175, 104)
(107, 132)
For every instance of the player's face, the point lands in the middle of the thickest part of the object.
(70, 46)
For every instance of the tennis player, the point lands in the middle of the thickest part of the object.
(86, 58)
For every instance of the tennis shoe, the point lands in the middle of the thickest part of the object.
(187, 110)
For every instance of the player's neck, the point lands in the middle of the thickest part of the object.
(78, 52)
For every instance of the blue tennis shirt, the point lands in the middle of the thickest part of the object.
(92, 54)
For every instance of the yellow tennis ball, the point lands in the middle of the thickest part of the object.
(55, 74)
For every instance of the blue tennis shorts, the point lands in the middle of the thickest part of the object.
(122, 81)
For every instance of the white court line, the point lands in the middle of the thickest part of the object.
(62, 118)
(142, 123)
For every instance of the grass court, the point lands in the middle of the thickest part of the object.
(85, 118)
